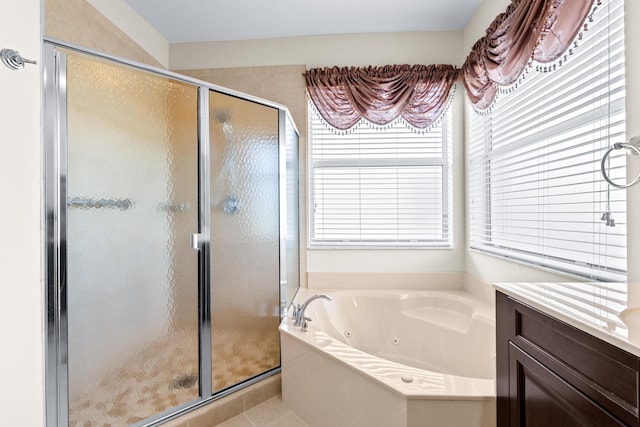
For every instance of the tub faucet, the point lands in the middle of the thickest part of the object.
(299, 309)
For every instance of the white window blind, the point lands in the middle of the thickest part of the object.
(537, 194)
(382, 187)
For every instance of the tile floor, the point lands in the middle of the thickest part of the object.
(270, 413)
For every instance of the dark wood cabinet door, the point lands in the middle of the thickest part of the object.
(540, 398)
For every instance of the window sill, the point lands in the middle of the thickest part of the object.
(378, 247)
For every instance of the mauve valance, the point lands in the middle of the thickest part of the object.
(539, 30)
(418, 93)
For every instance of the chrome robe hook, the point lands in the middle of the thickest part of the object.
(13, 59)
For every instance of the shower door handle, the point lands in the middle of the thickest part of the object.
(195, 241)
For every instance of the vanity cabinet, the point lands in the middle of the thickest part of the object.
(550, 373)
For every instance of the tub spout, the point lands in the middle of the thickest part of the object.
(299, 309)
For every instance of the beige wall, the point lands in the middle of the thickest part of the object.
(134, 26)
(477, 25)
(22, 301)
(280, 84)
(80, 23)
(323, 51)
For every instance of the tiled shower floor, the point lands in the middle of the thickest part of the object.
(165, 374)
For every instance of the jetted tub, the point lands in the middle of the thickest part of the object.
(388, 358)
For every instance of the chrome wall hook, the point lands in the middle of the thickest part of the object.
(633, 147)
(13, 59)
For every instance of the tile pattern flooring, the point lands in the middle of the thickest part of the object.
(164, 375)
(270, 413)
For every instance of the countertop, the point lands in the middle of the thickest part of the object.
(604, 310)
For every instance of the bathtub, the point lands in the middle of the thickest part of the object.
(389, 358)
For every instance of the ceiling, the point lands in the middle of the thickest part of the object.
(210, 20)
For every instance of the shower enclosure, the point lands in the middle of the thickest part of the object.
(171, 212)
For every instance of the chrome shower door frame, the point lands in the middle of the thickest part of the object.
(55, 254)
(55, 225)
(55, 258)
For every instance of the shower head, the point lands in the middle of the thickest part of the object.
(221, 115)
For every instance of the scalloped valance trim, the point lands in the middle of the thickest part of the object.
(528, 31)
(419, 94)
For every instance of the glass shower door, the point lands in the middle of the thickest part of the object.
(245, 239)
(132, 277)
(169, 250)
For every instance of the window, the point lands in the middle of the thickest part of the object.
(537, 194)
(380, 187)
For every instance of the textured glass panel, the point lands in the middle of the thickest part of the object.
(132, 277)
(293, 229)
(244, 239)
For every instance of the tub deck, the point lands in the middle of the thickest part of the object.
(329, 383)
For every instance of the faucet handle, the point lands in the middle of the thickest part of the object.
(297, 309)
(304, 323)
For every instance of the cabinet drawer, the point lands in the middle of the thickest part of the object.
(603, 372)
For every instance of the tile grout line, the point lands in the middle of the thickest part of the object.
(250, 420)
(278, 419)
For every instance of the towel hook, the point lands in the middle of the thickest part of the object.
(633, 145)
(13, 59)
